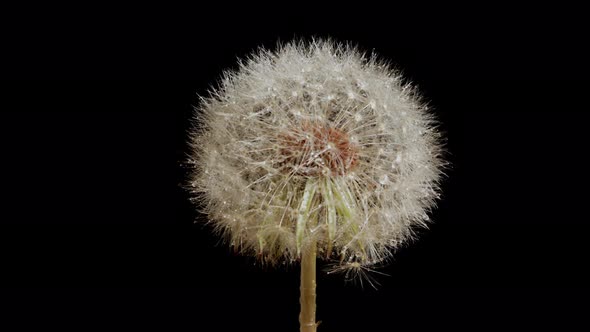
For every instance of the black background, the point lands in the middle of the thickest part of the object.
(97, 233)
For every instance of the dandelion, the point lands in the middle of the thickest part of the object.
(315, 150)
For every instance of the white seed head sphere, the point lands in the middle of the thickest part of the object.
(315, 143)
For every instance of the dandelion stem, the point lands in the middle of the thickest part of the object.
(308, 289)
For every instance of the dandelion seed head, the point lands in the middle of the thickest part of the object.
(315, 142)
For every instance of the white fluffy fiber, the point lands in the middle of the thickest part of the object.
(315, 142)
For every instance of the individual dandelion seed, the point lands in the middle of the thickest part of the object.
(357, 272)
(315, 149)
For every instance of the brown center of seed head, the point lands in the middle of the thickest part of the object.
(315, 149)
